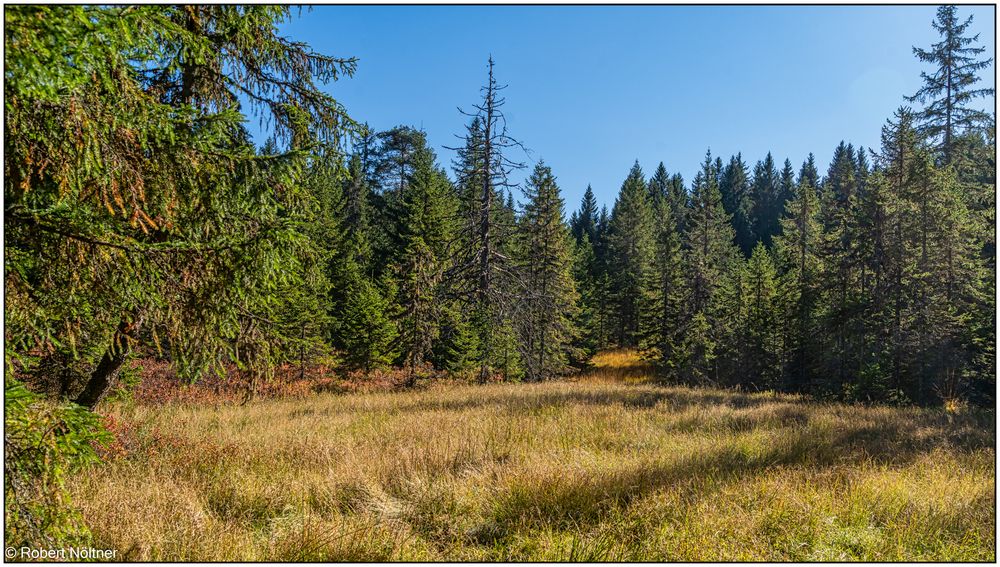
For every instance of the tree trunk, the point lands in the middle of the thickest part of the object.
(486, 252)
(302, 353)
(105, 376)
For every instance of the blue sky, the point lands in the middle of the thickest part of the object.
(593, 88)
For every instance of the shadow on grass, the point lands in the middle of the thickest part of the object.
(570, 501)
(529, 401)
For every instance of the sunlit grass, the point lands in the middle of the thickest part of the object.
(603, 467)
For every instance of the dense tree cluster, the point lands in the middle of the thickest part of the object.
(138, 211)
(139, 214)
(875, 282)
(141, 219)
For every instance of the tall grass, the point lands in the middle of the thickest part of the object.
(603, 467)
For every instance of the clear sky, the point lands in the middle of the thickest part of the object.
(593, 88)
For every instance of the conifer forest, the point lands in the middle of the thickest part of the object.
(334, 344)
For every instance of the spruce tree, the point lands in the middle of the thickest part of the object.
(718, 167)
(884, 216)
(799, 258)
(936, 280)
(974, 163)
(734, 186)
(841, 299)
(710, 253)
(808, 172)
(585, 220)
(663, 306)
(957, 289)
(548, 306)
(364, 324)
(863, 168)
(764, 201)
(786, 189)
(425, 228)
(603, 285)
(659, 185)
(761, 365)
(678, 202)
(949, 89)
(630, 247)
(481, 274)
(356, 210)
(126, 148)
(586, 277)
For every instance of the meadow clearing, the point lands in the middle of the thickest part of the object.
(604, 466)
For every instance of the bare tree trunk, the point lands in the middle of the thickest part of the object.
(486, 207)
(251, 391)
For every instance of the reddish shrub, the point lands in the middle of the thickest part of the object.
(160, 384)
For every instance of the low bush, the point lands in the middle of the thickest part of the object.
(43, 442)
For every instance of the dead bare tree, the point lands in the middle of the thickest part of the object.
(484, 275)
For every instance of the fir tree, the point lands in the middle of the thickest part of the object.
(710, 252)
(550, 297)
(949, 89)
(765, 200)
(734, 187)
(630, 246)
(585, 220)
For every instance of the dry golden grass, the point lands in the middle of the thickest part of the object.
(603, 467)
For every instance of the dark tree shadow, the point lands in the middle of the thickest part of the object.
(578, 500)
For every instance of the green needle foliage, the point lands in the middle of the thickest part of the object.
(43, 444)
(137, 208)
(950, 88)
(630, 246)
(550, 294)
(426, 227)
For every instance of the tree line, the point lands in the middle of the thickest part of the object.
(141, 219)
(875, 282)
